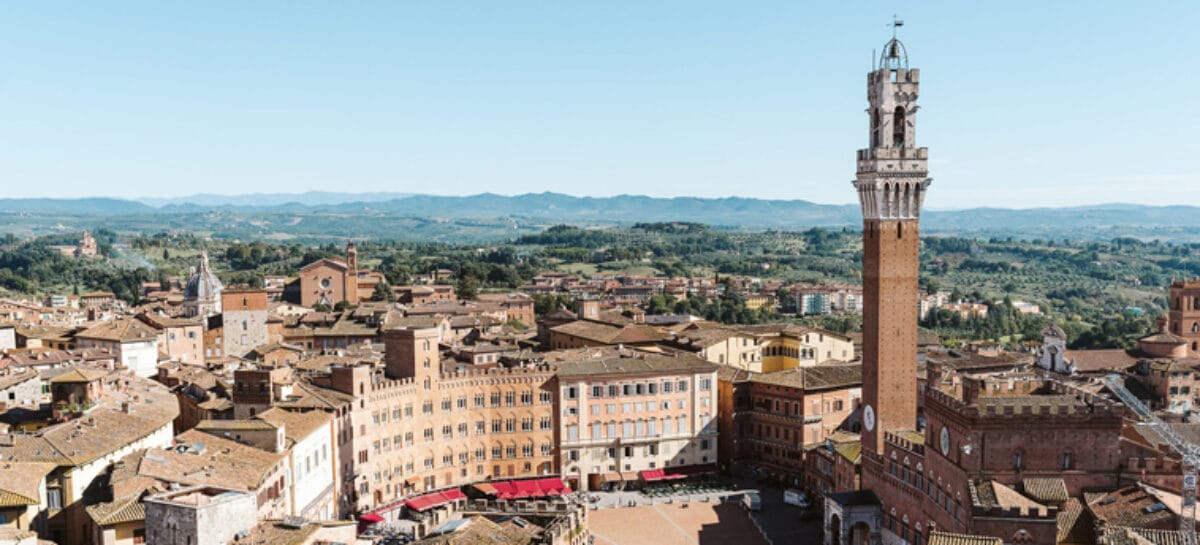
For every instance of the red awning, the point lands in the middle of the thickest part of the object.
(425, 502)
(434, 499)
(526, 489)
(504, 489)
(370, 518)
(552, 486)
(652, 475)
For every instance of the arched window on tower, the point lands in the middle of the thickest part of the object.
(875, 128)
(898, 127)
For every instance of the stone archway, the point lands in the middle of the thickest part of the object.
(860, 534)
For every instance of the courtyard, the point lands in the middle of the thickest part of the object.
(673, 524)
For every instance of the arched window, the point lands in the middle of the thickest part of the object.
(1067, 460)
(1195, 327)
(898, 127)
(1018, 460)
(875, 128)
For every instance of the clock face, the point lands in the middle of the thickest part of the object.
(869, 417)
(945, 441)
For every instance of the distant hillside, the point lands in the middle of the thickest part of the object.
(491, 217)
(85, 206)
(310, 198)
(731, 211)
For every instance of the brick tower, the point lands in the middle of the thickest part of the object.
(1184, 317)
(891, 180)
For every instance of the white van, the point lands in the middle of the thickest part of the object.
(751, 501)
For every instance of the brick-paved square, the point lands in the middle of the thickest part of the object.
(672, 524)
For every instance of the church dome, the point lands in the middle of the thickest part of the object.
(203, 284)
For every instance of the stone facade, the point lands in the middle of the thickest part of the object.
(199, 515)
(625, 412)
(329, 282)
(20, 388)
(418, 429)
(244, 320)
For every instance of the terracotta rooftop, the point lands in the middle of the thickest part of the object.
(275, 532)
(992, 494)
(479, 531)
(631, 362)
(102, 429)
(943, 538)
(1093, 361)
(1128, 506)
(223, 463)
(610, 334)
(1045, 489)
(820, 377)
(119, 330)
(1122, 535)
(120, 510)
(20, 482)
(296, 425)
(1074, 525)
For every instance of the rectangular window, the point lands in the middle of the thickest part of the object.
(706, 384)
(597, 391)
(572, 392)
(613, 391)
(683, 386)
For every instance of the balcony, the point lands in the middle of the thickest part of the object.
(893, 153)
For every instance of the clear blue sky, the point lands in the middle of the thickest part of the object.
(1023, 103)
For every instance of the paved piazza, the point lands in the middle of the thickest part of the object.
(671, 524)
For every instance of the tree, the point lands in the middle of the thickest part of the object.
(467, 288)
(383, 292)
(166, 254)
(932, 286)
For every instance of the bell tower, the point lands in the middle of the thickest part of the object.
(891, 180)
